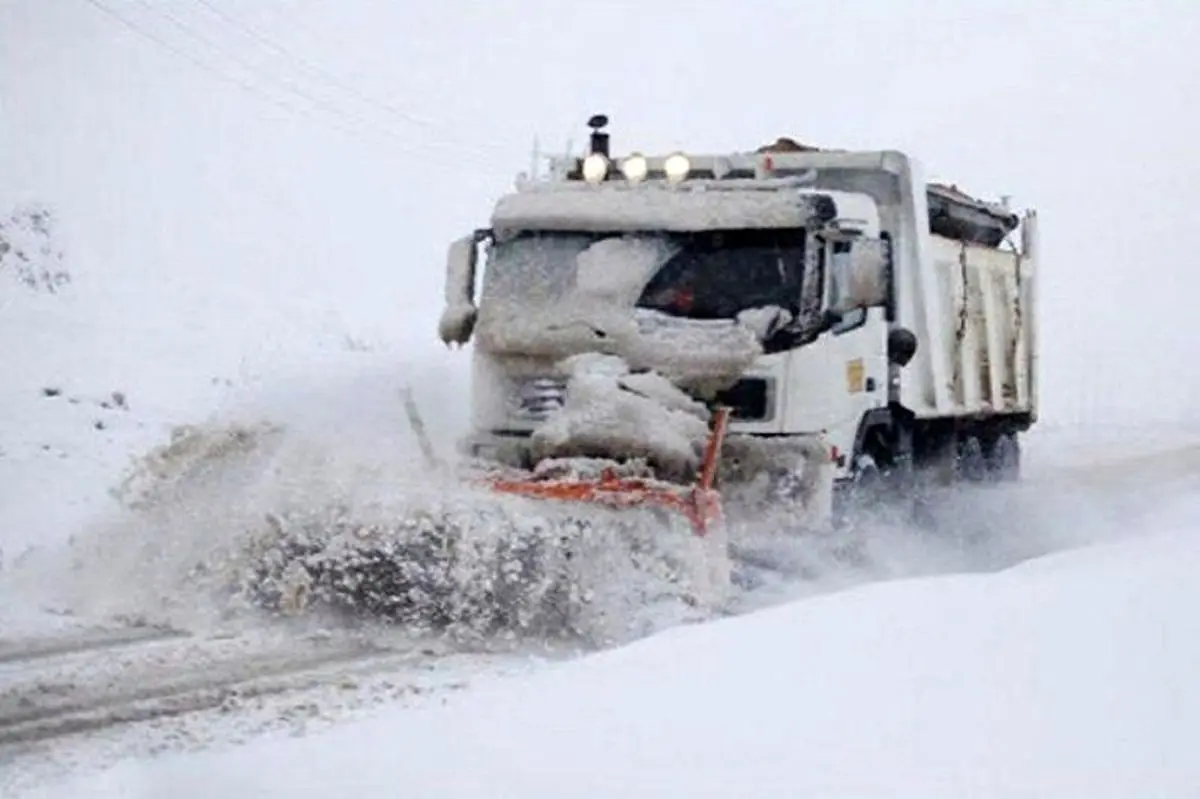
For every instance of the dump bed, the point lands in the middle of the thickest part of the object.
(985, 325)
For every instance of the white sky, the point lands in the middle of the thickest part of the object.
(163, 171)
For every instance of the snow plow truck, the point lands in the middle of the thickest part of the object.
(823, 323)
(714, 340)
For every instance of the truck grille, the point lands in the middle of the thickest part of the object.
(750, 400)
(539, 397)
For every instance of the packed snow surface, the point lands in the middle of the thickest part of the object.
(1071, 675)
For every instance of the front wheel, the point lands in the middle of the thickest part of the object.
(863, 494)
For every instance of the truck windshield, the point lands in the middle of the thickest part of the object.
(719, 274)
(705, 275)
(532, 269)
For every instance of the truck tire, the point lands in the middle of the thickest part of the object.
(860, 494)
(866, 470)
(1004, 458)
(972, 460)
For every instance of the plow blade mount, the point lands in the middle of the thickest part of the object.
(699, 502)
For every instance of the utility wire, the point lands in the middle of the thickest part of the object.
(196, 62)
(313, 69)
(248, 86)
(205, 67)
(292, 86)
(333, 79)
(249, 66)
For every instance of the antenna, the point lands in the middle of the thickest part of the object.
(599, 138)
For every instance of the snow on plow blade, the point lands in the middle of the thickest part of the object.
(699, 503)
(594, 562)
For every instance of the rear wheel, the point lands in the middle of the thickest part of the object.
(972, 461)
(1004, 458)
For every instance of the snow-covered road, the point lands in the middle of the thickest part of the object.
(1071, 671)
(84, 697)
(71, 685)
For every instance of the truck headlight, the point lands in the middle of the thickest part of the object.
(635, 168)
(595, 168)
(677, 167)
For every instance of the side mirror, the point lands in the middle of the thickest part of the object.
(459, 313)
(860, 275)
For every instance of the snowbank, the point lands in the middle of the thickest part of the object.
(1072, 675)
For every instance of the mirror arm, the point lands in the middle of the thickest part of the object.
(831, 319)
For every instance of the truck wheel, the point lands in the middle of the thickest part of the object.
(868, 479)
(860, 494)
(972, 462)
(1004, 458)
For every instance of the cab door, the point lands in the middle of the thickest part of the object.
(842, 374)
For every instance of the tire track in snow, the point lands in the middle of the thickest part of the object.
(31, 649)
(93, 682)
(251, 679)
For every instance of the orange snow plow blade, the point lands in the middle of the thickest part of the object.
(700, 503)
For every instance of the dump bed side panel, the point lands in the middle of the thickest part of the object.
(985, 325)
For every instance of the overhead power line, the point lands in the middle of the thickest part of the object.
(196, 62)
(252, 68)
(311, 68)
(335, 116)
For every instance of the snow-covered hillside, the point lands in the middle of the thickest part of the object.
(99, 370)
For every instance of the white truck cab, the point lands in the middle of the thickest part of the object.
(818, 293)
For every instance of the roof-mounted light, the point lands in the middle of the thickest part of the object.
(635, 168)
(595, 168)
(676, 167)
